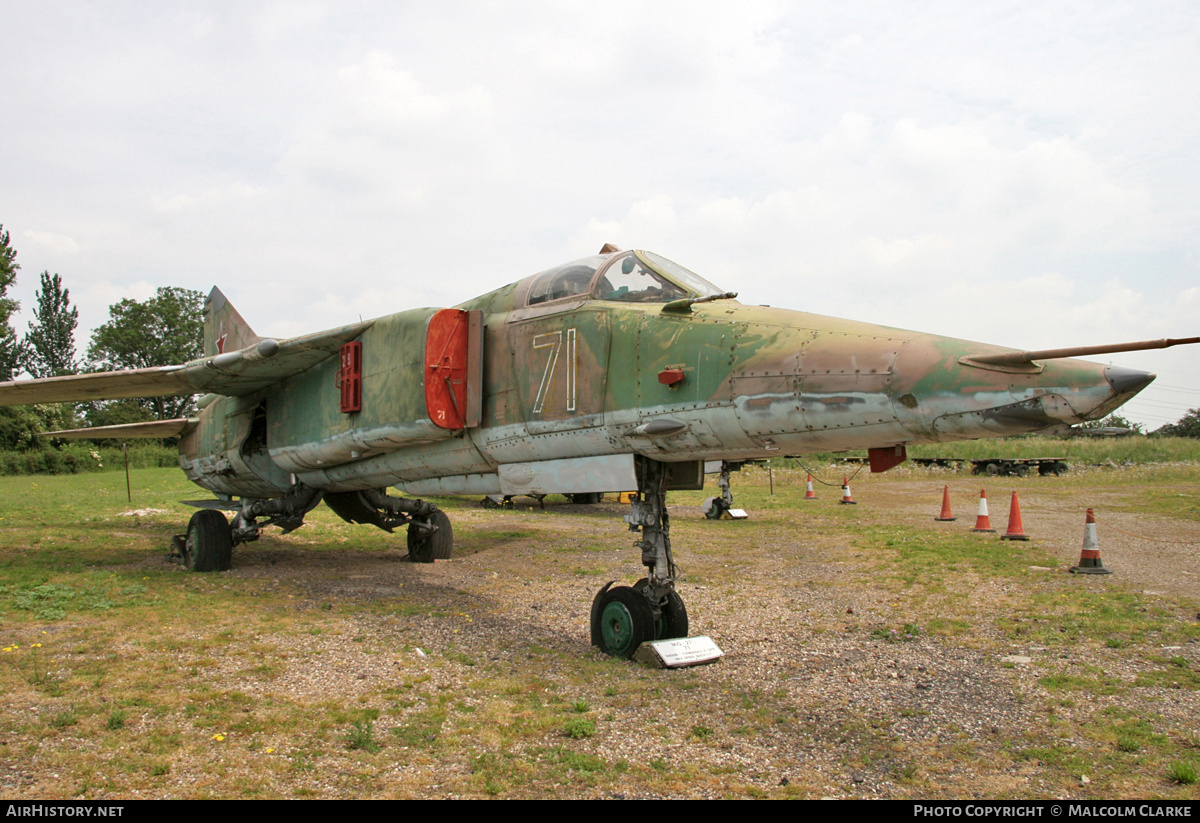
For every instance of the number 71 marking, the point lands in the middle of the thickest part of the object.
(553, 341)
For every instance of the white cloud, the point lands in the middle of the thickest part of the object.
(994, 171)
(52, 242)
(94, 299)
(218, 197)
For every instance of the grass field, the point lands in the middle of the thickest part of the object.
(870, 651)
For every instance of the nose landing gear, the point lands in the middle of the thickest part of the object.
(624, 617)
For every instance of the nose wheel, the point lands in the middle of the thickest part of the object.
(671, 618)
(625, 617)
(621, 620)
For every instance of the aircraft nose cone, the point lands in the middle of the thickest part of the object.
(1127, 381)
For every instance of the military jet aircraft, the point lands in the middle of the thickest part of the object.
(621, 370)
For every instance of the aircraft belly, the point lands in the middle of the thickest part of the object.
(515, 444)
(749, 427)
(1006, 413)
(455, 484)
(708, 429)
(357, 444)
(219, 474)
(817, 420)
(607, 473)
(992, 420)
(448, 457)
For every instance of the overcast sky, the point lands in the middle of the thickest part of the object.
(1017, 173)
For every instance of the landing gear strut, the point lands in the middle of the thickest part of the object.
(624, 617)
(717, 506)
(430, 536)
(210, 538)
(286, 512)
(208, 544)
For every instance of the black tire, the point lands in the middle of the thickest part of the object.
(209, 543)
(992, 469)
(719, 507)
(586, 498)
(1022, 470)
(424, 547)
(673, 620)
(625, 621)
(1061, 468)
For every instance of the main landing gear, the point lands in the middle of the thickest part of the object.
(717, 506)
(430, 536)
(208, 544)
(624, 617)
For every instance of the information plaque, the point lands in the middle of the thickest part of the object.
(680, 652)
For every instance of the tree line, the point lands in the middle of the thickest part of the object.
(160, 331)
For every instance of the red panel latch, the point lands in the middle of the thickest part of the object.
(669, 377)
(349, 376)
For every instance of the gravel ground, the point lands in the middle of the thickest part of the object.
(806, 702)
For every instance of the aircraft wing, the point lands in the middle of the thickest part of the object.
(154, 429)
(267, 362)
(162, 381)
(233, 373)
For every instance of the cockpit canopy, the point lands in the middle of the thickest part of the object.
(628, 276)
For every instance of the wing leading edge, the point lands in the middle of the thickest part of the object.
(153, 429)
(256, 366)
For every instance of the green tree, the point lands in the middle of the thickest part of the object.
(10, 349)
(50, 343)
(119, 412)
(1186, 426)
(21, 425)
(161, 331)
(17, 426)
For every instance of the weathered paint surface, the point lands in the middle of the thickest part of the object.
(571, 367)
(577, 376)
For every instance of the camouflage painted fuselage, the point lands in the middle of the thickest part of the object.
(592, 374)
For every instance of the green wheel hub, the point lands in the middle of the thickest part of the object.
(622, 620)
(617, 627)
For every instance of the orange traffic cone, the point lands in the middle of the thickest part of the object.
(1089, 557)
(846, 498)
(982, 522)
(1015, 530)
(946, 514)
(809, 494)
